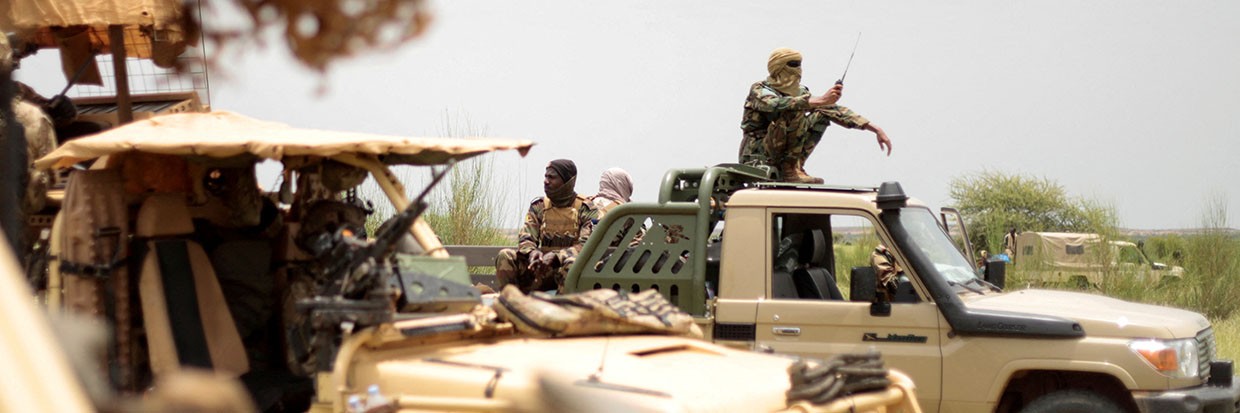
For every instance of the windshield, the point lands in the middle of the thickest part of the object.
(926, 235)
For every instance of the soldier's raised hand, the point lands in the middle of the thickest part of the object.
(832, 96)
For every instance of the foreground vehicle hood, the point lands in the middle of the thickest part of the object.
(650, 373)
(1099, 315)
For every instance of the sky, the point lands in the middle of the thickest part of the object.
(1131, 103)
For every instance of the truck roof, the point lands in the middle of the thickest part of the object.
(797, 195)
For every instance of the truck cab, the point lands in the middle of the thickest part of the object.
(786, 268)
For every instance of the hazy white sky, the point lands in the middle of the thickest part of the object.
(1133, 103)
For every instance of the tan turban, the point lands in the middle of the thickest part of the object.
(783, 78)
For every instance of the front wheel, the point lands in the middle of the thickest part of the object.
(1072, 401)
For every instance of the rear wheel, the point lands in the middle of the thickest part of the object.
(1072, 401)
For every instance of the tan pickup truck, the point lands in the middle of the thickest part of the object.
(785, 268)
(167, 240)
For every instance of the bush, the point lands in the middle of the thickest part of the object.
(993, 202)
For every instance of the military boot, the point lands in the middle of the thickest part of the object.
(792, 172)
(801, 169)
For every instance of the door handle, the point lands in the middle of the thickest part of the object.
(786, 331)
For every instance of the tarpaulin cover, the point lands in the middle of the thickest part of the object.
(227, 134)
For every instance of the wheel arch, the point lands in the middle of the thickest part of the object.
(1022, 381)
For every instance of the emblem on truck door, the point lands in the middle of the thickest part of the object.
(894, 338)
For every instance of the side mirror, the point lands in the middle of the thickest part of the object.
(880, 307)
(996, 273)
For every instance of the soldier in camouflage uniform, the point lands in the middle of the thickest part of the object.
(783, 122)
(40, 132)
(556, 227)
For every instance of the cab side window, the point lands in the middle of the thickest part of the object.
(813, 254)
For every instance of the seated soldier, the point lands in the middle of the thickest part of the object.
(556, 227)
(614, 189)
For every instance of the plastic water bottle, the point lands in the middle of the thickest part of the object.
(374, 399)
(355, 404)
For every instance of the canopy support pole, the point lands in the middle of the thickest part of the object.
(124, 106)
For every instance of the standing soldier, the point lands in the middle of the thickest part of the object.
(556, 227)
(783, 122)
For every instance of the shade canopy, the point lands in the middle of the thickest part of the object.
(226, 134)
(152, 29)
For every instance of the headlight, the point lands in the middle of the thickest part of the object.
(1175, 358)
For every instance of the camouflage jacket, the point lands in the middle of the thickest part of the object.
(533, 236)
(765, 104)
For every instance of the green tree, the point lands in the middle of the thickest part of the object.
(993, 202)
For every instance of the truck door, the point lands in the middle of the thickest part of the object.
(953, 224)
(809, 308)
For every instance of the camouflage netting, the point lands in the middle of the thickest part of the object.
(592, 313)
(319, 31)
(821, 382)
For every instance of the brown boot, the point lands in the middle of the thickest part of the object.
(801, 168)
(792, 172)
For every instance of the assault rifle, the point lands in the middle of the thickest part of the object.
(354, 266)
(356, 274)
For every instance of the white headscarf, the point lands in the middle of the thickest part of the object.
(615, 185)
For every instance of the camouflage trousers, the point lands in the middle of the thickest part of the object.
(784, 140)
(512, 267)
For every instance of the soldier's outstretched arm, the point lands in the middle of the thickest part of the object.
(881, 136)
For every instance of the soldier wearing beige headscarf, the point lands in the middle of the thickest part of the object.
(783, 122)
(615, 187)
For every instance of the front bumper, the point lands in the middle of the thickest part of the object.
(1203, 399)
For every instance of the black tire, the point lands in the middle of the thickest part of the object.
(1072, 401)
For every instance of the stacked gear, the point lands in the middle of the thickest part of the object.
(820, 382)
(592, 313)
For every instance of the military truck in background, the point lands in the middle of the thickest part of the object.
(1076, 259)
(166, 237)
(784, 268)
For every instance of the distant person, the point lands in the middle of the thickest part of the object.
(1009, 243)
(556, 226)
(783, 122)
(614, 189)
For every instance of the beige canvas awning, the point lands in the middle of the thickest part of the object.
(227, 134)
(153, 29)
